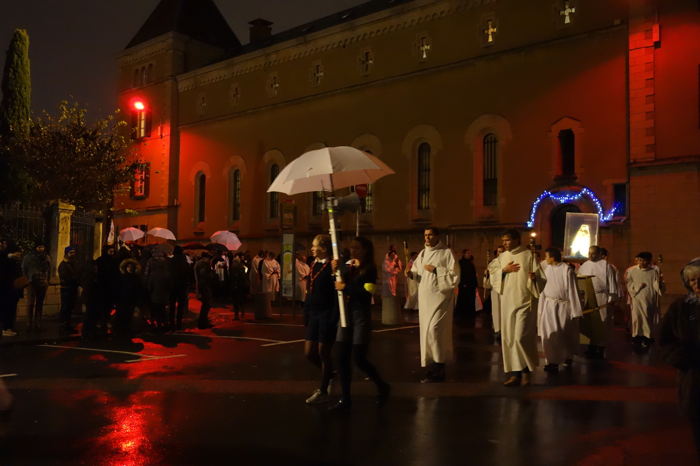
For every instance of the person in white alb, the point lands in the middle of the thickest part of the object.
(644, 286)
(437, 274)
(558, 311)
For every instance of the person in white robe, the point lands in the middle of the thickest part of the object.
(437, 274)
(558, 311)
(491, 269)
(644, 286)
(515, 280)
(271, 276)
(411, 287)
(261, 303)
(301, 280)
(606, 291)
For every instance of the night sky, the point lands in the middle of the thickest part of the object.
(73, 43)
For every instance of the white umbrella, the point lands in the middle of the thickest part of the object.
(227, 238)
(161, 233)
(329, 169)
(131, 234)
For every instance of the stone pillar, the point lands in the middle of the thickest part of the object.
(59, 233)
(97, 240)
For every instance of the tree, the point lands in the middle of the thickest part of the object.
(78, 162)
(15, 117)
(15, 109)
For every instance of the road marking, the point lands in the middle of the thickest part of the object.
(395, 328)
(153, 358)
(142, 357)
(284, 343)
(228, 337)
(2, 376)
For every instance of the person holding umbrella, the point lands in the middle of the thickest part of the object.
(321, 316)
(359, 283)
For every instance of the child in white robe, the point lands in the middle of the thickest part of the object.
(558, 309)
(644, 288)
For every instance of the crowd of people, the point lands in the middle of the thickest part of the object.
(534, 301)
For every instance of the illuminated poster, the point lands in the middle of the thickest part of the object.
(288, 265)
(581, 232)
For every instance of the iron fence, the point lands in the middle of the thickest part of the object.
(82, 234)
(24, 224)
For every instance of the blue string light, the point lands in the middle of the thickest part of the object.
(565, 197)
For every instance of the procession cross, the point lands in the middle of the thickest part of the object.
(318, 74)
(366, 61)
(274, 84)
(567, 12)
(490, 30)
(424, 47)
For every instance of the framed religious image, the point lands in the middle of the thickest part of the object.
(580, 233)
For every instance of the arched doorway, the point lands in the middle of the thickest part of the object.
(558, 223)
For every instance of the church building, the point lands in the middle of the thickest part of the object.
(494, 114)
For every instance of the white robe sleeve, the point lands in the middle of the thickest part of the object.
(572, 292)
(449, 270)
(496, 272)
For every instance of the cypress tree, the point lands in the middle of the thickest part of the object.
(15, 108)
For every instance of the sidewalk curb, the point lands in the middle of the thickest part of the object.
(5, 342)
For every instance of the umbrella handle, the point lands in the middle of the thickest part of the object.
(334, 243)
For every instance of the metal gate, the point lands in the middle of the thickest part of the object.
(82, 234)
(24, 224)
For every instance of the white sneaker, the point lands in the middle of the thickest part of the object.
(9, 333)
(317, 398)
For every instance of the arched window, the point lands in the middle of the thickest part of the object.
(136, 78)
(200, 197)
(144, 76)
(490, 148)
(567, 149)
(236, 195)
(424, 176)
(149, 73)
(274, 197)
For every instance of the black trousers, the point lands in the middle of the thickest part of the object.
(69, 296)
(123, 317)
(346, 351)
(35, 301)
(206, 299)
(178, 307)
(8, 310)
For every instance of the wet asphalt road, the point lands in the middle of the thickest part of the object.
(235, 394)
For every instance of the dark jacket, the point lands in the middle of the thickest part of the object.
(205, 277)
(158, 280)
(355, 279)
(131, 288)
(10, 270)
(467, 273)
(321, 296)
(36, 267)
(69, 274)
(680, 343)
(181, 273)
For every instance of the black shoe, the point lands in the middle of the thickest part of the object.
(383, 395)
(342, 406)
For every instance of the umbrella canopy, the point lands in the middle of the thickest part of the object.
(216, 248)
(328, 169)
(131, 234)
(227, 238)
(163, 233)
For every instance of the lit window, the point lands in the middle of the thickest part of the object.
(274, 196)
(424, 176)
(141, 123)
(140, 181)
(490, 170)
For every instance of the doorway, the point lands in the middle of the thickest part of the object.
(558, 223)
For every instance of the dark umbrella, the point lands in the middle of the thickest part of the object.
(216, 248)
(193, 245)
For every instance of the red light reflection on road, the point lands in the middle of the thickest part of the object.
(127, 439)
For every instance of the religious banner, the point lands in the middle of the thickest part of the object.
(288, 265)
(580, 233)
